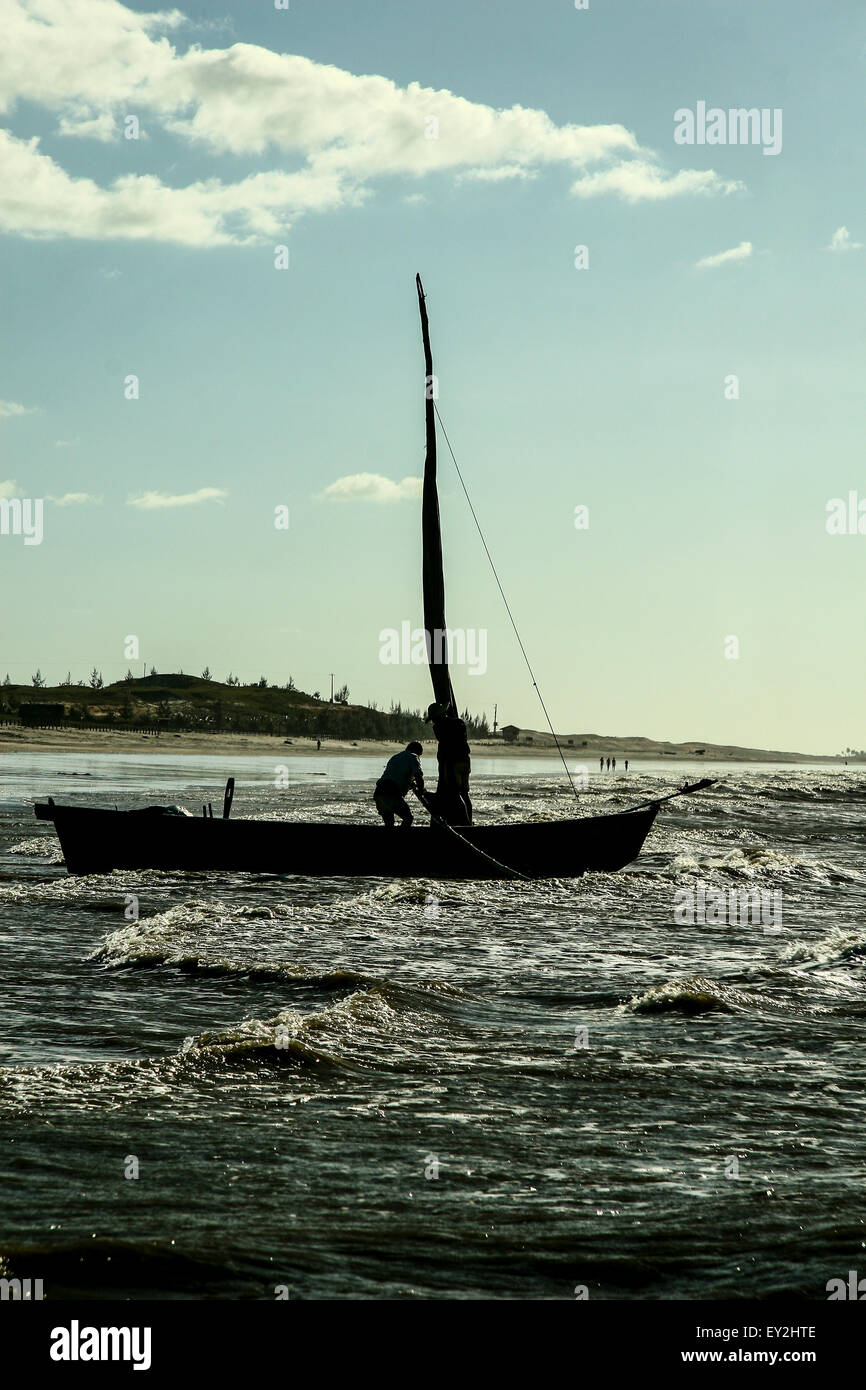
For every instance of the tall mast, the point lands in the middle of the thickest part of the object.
(433, 577)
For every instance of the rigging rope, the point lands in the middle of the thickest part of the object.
(514, 873)
(505, 600)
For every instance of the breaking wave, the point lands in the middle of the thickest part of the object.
(379, 1028)
(840, 947)
(38, 847)
(697, 995)
(189, 936)
(349, 1034)
(757, 862)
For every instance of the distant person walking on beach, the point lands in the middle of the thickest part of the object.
(614, 764)
(318, 744)
(401, 772)
(626, 764)
(601, 764)
(608, 764)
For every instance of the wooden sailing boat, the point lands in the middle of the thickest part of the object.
(95, 840)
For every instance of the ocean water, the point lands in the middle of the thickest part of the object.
(363, 1089)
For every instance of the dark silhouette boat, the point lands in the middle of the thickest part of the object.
(96, 841)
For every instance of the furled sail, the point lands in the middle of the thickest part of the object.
(433, 578)
(452, 801)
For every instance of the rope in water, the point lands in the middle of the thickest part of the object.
(515, 873)
(505, 601)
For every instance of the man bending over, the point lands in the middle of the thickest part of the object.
(401, 772)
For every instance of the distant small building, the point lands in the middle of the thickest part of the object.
(510, 733)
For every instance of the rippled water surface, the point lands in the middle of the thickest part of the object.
(359, 1088)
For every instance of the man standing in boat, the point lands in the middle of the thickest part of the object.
(452, 798)
(401, 772)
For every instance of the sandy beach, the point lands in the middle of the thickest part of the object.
(116, 741)
(21, 739)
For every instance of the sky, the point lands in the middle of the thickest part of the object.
(210, 222)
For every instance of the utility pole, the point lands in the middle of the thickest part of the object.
(332, 687)
(495, 708)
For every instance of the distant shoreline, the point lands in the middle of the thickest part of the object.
(637, 750)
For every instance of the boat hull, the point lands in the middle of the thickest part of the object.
(96, 841)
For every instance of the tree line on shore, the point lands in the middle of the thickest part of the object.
(180, 702)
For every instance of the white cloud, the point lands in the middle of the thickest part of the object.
(73, 499)
(10, 408)
(155, 501)
(10, 488)
(102, 127)
(92, 62)
(638, 180)
(372, 487)
(841, 241)
(498, 174)
(736, 253)
(39, 199)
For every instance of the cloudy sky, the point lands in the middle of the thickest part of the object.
(211, 219)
